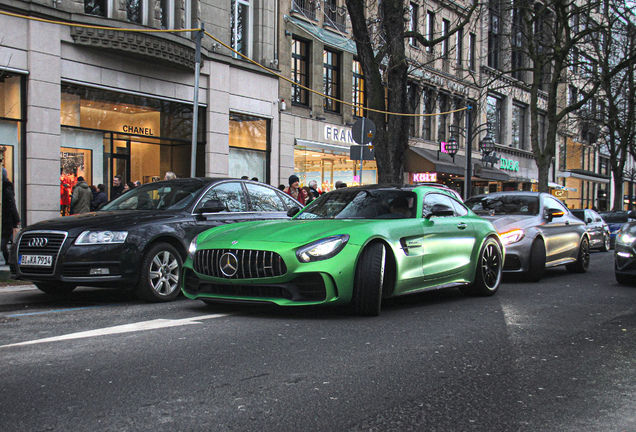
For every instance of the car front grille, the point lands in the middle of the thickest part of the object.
(41, 243)
(238, 263)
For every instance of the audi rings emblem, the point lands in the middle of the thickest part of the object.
(228, 264)
(38, 242)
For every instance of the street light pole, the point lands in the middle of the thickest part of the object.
(468, 185)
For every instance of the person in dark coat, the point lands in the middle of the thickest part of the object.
(100, 198)
(82, 197)
(10, 215)
(118, 187)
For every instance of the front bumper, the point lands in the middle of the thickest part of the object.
(518, 256)
(92, 265)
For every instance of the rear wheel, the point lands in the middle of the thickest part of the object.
(606, 243)
(55, 288)
(488, 271)
(367, 287)
(583, 258)
(160, 272)
(536, 269)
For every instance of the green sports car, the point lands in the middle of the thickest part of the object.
(353, 246)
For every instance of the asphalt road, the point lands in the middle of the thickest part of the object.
(558, 355)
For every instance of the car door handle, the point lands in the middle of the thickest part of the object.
(461, 225)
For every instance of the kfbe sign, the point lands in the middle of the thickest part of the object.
(508, 164)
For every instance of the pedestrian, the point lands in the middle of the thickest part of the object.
(100, 198)
(170, 176)
(137, 183)
(295, 190)
(313, 188)
(309, 196)
(128, 186)
(255, 179)
(10, 215)
(117, 188)
(82, 197)
(340, 184)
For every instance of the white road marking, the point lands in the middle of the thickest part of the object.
(126, 328)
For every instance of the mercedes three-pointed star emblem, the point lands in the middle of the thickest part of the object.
(228, 264)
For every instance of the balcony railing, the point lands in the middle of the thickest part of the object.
(335, 16)
(305, 7)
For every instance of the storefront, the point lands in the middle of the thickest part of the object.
(328, 161)
(107, 133)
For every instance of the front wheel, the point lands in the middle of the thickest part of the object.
(55, 288)
(488, 271)
(583, 258)
(536, 268)
(159, 274)
(369, 279)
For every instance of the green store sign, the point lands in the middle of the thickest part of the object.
(508, 164)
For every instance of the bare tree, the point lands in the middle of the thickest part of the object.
(381, 31)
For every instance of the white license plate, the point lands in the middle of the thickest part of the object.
(36, 260)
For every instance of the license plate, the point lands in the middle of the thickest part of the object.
(36, 260)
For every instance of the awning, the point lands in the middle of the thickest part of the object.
(587, 177)
(424, 160)
(322, 146)
(561, 187)
(327, 37)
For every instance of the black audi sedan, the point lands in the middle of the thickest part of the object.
(139, 240)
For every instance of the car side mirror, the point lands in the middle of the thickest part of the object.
(293, 211)
(588, 220)
(440, 210)
(632, 214)
(211, 206)
(553, 213)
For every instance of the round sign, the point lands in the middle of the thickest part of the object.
(363, 131)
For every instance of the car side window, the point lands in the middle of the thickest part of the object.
(264, 199)
(434, 198)
(289, 201)
(554, 203)
(230, 194)
(460, 209)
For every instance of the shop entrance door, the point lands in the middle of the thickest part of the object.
(120, 160)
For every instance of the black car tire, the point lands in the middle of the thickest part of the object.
(369, 279)
(606, 243)
(488, 272)
(159, 274)
(582, 259)
(536, 268)
(55, 288)
(624, 279)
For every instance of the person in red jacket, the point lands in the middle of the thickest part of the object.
(295, 190)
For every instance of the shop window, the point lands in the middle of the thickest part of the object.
(241, 27)
(300, 71)
(10, 96)
(331, 80)
(358, 98)
(249, 146)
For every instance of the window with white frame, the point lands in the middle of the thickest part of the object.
(430, 29)
(518, 126)
(413, 21)
(175, 14)
(459, 46)
(241, 22)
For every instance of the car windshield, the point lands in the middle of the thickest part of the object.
(492, 205)
(362, 204)
(614, 217)
(157, 196)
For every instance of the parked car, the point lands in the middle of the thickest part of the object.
(615, 220)
(350, 246)
(625, 251)
(597, 228)
(538, 231)
(140, 239)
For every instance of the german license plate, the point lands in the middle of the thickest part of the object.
(36, 260)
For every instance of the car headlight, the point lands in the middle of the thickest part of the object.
(511, 236)
(193, 247)
(626, 238)
(322, 249)
(101, 237)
